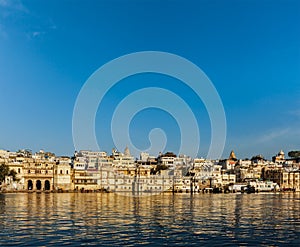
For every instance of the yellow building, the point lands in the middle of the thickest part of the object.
(86, 180)
(62, 178)
(38, 174)
(279, 158)
(290, 180)
(287, 180)
(17, 164)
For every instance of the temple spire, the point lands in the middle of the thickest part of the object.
(127, 152)
(232, 155)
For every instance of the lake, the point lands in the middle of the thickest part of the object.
(108, 219)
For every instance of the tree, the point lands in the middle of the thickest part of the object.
(257, 157)
(13, 173)
(4, 171)
(294, 154)
(158, 168)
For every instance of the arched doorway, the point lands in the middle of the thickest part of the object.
(47, 185)
(30, 185)
(38, 185)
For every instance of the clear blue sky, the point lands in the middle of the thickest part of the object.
(249, 49)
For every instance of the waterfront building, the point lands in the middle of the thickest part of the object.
(181, 166)
(221, 177)
(33, 172)
(124, 163)
(166, 159)
(229, 164)
(85, 180)
(4, 154)
(245, 172)
(259, 160)
(62, 178)
(15, 163)
(279, 158)
(123, 160)
(138, 184)
(257, 185)
(82, 178)
(203, 168)
(86, 169)
(89, 170)
(106, 172)
(149, 161)
(187, 184)
(227, 179)
(290, 180)
(96, 170)
(42, 155)
(198, 163)
(38, 173)
(144, 156)
(286, 179)
(264, 186)
(217, 178)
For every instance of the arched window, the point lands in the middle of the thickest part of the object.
(61, 172)
(19, 170)
(67, 171)
(28, 171)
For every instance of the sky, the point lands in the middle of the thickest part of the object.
(249, 49)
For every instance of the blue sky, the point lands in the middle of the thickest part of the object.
(249, 49)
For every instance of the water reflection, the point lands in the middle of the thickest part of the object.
(112, 219)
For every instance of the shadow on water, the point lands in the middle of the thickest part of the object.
(2, 204)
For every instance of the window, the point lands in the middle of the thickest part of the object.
(19, 170)
(67, 171)
(28, 171)
(61, 172)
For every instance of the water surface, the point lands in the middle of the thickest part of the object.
(45, 219)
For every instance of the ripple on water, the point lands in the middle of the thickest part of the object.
(109, 219)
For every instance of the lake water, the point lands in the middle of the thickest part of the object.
(57, 219)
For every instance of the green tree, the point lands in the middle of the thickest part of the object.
(294, 154)
(161, 167)
(13, 173)
(4, 171)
